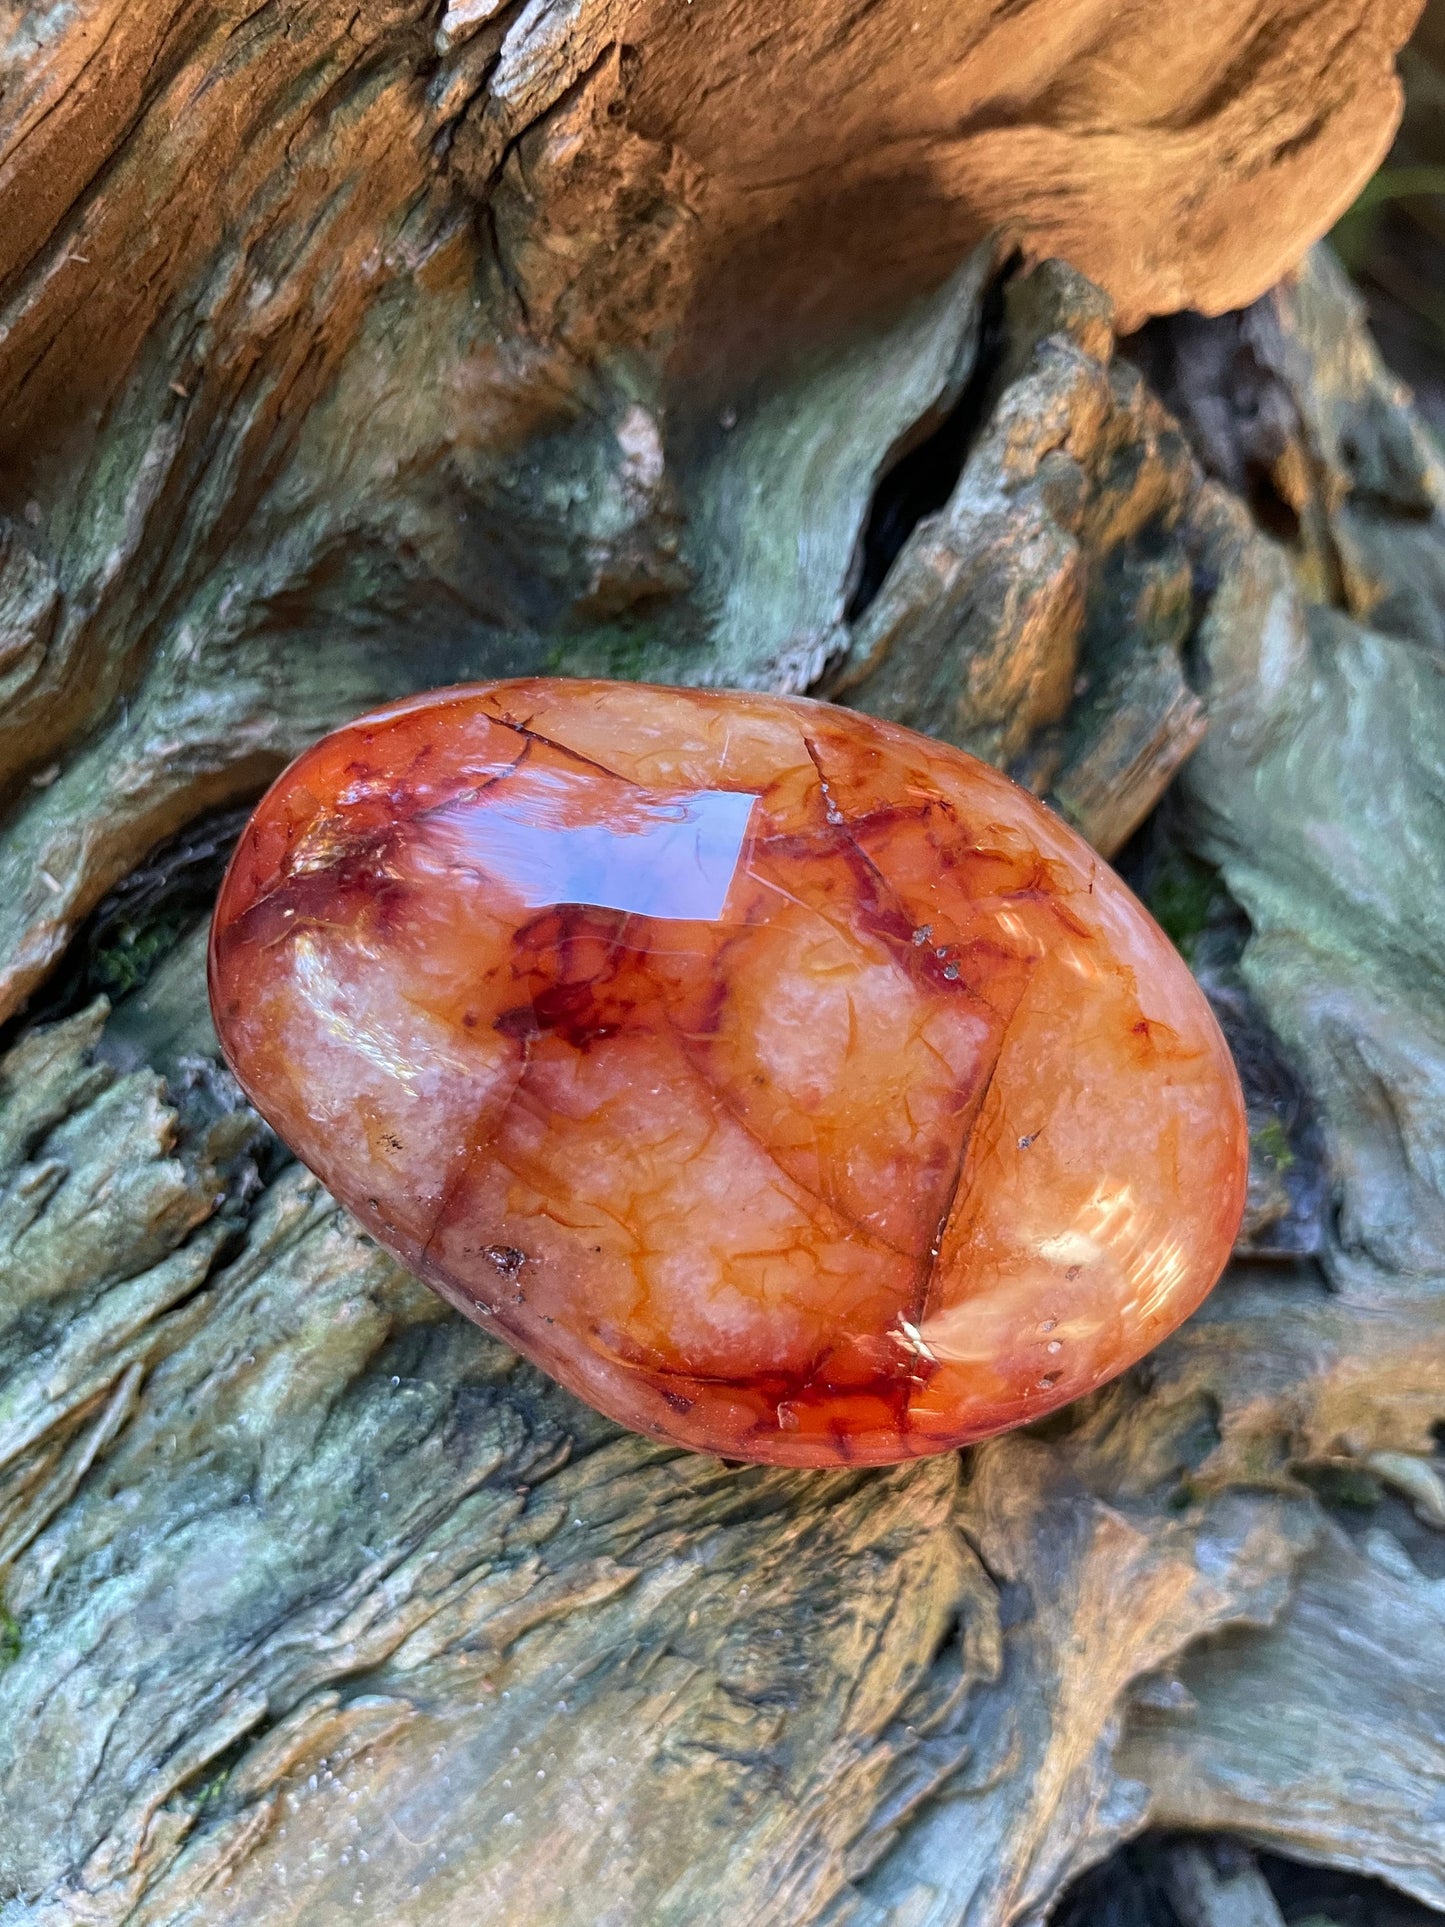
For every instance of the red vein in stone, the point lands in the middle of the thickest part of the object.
(565, 749)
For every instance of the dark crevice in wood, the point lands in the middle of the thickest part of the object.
(924, 476)
(132, 928)
(1132, 1888)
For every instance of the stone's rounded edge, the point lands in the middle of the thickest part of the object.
(772, 1448)
(627, 1406)
(779, 1448)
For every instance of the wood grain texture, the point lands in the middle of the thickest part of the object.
(345, 350)
(320, 1602)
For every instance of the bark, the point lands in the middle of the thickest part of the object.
(402, 352)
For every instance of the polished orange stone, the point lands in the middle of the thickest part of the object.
(782, 1082)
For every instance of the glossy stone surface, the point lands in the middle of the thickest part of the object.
(782, 1082)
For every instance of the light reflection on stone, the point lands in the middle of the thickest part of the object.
(828, 1098)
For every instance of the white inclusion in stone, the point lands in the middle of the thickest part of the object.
(912, 1338)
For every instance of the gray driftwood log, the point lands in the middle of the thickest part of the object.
(350, 349)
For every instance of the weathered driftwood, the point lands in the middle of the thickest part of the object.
(324, 375)
(319, 1603)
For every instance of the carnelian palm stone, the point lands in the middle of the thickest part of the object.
(782, 1082)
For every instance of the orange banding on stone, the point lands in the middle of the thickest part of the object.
(782, 1082)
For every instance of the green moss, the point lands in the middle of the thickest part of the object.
(9, 1638)
(1183, 896)
(124, 962)
(622, 657)
(210, 1792)
(1272, 1141)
